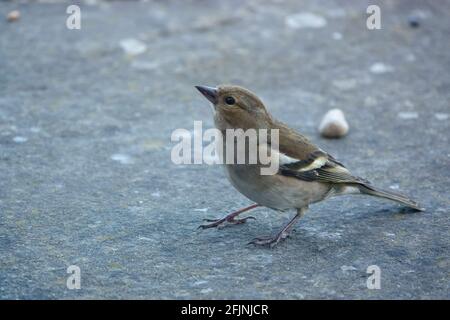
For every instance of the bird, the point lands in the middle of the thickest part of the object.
(305, 173)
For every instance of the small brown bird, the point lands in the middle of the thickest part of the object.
(306, 174)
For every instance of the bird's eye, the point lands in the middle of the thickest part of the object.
(230, 101)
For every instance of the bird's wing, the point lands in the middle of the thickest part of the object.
(301, 159)
(326, 171)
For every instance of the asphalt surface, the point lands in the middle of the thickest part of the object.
(86, 176)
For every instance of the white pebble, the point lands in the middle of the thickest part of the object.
(133, 47)
(333, 124)
(305, 20)
(408, 115)
(13, 16)
(441, 116)
(379, 68)
(20, 139)
(122, 158)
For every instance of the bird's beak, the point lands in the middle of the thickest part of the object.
(210, 93)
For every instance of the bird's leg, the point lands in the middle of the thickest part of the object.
(229, 219)
(283, 234)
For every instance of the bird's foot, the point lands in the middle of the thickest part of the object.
(271, 241)
(222, 223)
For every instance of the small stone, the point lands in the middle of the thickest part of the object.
(414, 21)
(305, 20)
(408, 115)
(441, 116)
(20, 139)
(333, 124)
(13, 16)
(133, 47)
(379, 68)
(122, 158)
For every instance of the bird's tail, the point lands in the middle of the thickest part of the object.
(377, 192)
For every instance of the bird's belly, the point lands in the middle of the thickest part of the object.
(275, 191)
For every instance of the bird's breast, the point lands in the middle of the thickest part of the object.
(275, 191)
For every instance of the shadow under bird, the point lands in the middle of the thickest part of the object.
(306, 174)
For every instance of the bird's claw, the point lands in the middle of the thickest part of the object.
(269, 241)
(221, 223)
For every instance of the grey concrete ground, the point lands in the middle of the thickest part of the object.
(86, 177)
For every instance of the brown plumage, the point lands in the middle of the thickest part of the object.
(306, 174)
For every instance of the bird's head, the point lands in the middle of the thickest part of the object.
(237, 106)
